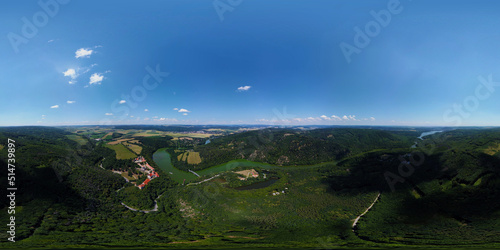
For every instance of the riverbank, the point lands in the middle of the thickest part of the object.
(162, 158)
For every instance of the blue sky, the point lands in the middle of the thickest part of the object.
(417, 63)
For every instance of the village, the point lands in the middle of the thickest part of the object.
(146, 169)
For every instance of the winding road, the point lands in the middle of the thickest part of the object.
(144, 211)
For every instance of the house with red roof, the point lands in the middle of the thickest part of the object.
(151, 174)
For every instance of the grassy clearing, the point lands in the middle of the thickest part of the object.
(125, 174)
(1, 146)
(121, 152)
(78, 139)
(492, 149)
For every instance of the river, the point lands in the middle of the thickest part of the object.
(421, 137)
(162, 158)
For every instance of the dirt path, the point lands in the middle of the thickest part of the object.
(359, 217)
(202, 181)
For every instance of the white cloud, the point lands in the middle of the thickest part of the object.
(51, 40)
(244, 88)
(155, 117)
(96, 78)
(334, 117)
(54, 107)
(372, 118)
(146, 110)
(108, 114)
(185, 114)
(70, 102)
(176, 109)
(71, 73)
(184, 110)
(72, 82)
(83, 53)
(122, 101)
(325, 117)
(350, 117)
(166, 119)
(312, 119)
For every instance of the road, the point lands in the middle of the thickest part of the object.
(144, 211)
(359, 217)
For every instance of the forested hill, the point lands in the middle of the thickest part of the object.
(296, 147)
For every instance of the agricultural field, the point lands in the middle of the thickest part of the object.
(117, 141)
(136, 148)
(192, 135)
(107, 136)
(121, 152)
(190, 157)
(78, 139)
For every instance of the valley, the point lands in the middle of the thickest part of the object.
(340, 196)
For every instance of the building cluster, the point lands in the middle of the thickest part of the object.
(247, 173)
(147, 169)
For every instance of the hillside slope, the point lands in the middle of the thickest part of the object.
(288, 147)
